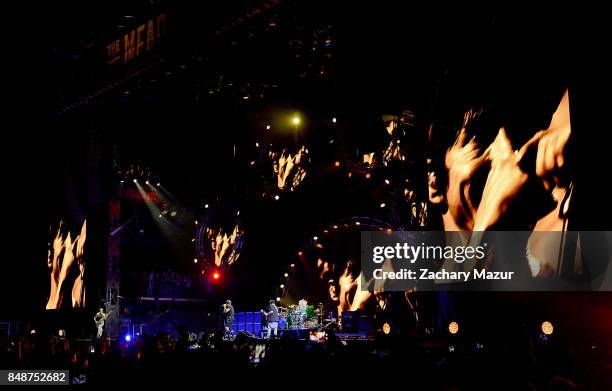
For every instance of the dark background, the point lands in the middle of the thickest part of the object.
(383, 57)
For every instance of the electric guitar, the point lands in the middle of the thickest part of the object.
(100, 321)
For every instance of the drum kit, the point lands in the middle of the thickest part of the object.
(299, 316)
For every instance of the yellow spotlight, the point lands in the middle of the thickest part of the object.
(206, 206)
(337, 164)
(286, 275)
(278, 299)
(386, 328)
(282, 286)
(195, 260)
(547, 328)
(368, 175)
(453, 327)
(296, 120)
(267, 127)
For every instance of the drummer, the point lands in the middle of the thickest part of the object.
(302, 314)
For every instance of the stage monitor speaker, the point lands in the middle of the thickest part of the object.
(350, 322)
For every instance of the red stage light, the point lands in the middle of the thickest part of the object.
(216, 276)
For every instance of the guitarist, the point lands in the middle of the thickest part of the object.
(99, 319)
(271, 319)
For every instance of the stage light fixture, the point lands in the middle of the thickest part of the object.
(382, 205)
(286, 275)
(315, 238)
(453, 327)
(276, 197)
(296, 120)
(278, 299)
(195, 260)
(147, 182)
(547, 328)
(387, 181)
(282, 286)
(337, 164)
(386, 328)
(292, 265)
(206, 206)
(334, 120)
(158, 184)
(127, 338)
(135, 180)
(267, 127)
(216, 276)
